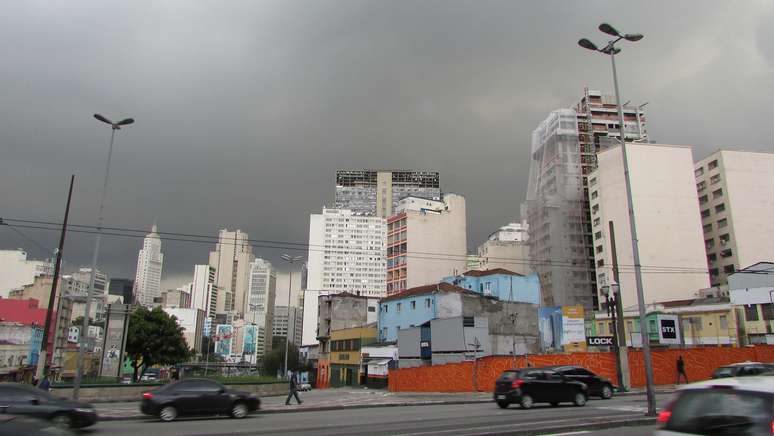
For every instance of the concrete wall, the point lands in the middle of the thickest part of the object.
(111, 393)
(667, 216)
(500, 324)
(408, 342)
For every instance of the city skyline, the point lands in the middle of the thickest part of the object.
(438, 90)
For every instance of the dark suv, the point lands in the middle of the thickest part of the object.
(598, 386)
(538, 385)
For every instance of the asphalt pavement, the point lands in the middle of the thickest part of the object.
(478, 418)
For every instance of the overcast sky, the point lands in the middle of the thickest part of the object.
(246, 109)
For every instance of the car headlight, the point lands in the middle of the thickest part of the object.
(84, 410)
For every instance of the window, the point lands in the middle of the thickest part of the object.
(599, 249)
(427, 303)
(385, 308)
(723, 322)
(398, 307)
(598, 235)
(712, 165)
(728, 269)
(703, 199)
(594, 195)
(468, 321)
(722, 223)
(705, 213)
(630, 326)
(371, 309)
(720, 208)
(694, 322)
(707, 228)
(717, 193)
(384, 333)
(768, 311)
(751, 312)
(714, 272)
(600, 263)
(596, 221)
(698, 171)
(709, 243)
(592, 181)
(413, 304)
(726, 253)
(724, 238)
(715, 179)
(701, 186)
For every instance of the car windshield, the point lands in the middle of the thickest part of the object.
(510, 375)
(721, 412)
(725, 371)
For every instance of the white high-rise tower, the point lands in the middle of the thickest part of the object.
(147, 281)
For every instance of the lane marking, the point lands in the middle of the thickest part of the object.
(567, 434)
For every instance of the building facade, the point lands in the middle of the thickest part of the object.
(192, 322)
(147, 281)
(563, 153)
(122, 288)
(500, 283)
(426, 241)
(346, 254)
(176, 298)
(671, 245)
(736, 218)
(506, 248)
(16, 271)
(288, 325)
(259, 304)
(101, 281)
(377, 192)
(231, 259)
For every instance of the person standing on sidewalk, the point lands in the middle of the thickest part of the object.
(681, 370)
(45, 384)
(293, 389)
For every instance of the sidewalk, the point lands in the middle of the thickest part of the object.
(341, 398)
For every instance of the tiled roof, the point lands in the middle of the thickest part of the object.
(489, 272)
(428, 289)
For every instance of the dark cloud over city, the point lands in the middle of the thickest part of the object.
(245, 109)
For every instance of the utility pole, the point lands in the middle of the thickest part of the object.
(622, 351)
(42, 357)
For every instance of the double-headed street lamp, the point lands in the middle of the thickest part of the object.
(90, 293)
(290, 259)
(611, 50)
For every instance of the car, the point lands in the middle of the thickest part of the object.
(304, 386)
(13, 425)
(538, 385)
(728, 406)
(197, 396)
(598, 386)
(742, 369)
(26, 400)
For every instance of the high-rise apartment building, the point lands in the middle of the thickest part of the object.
(288, 325)
(426, 241)
(231, 259)
(203, 291)
(377, 192)
(259, 303)
(100, 279)
(16, 271)
(671, 245)
(346, 254)
(147, 281)
(563, 153)
(506, 248)
(736, 210)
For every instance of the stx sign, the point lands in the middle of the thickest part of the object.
(668, 329)
(599, 341)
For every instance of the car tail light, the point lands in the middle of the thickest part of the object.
(517, 383)
(663, 416)
(147, 395)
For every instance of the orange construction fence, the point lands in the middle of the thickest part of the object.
(458, 377)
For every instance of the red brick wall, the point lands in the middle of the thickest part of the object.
(458, 377)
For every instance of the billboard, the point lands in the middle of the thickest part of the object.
(223, 336)
(249, 340)
(114, 339)
(562, 328)
(668, 329)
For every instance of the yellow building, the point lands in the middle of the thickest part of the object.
(345, 358)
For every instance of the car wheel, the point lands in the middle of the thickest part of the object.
(607, 392)
(579, 399)
(62, 420)
(239, 410)
(503, 404)
(526, 402)
(554, 404)
(168, 413)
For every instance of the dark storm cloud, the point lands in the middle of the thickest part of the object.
(246, 109)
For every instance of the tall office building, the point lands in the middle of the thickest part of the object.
(231, 259)
(259, 303)
(100, 279)
(122, 288)
(346, 254)
(563, 153)
(147, 282)
(288, 324)
(666, 212)
(377, 192)
(203, 291)
(734, 189)
(426, 241)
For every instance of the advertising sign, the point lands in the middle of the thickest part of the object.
(550, 328)
(114, 339)
(573, 328)
(599, 341)
(668, 329)
(223, 334)
(249, 340)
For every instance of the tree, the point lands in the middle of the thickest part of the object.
(154, 337)
(275, 359)
(78, 322)
(208, 350)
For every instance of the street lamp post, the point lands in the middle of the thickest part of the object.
(290, 259)
(95, 257)
(611, 50)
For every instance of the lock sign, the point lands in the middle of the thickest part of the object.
(599, 341)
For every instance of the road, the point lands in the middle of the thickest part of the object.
(465, 419)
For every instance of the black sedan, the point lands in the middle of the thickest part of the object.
(25, 400)
(598, 386)
(197, 397)
(538, 385)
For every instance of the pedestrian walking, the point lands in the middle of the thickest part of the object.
(45, 384)
(293, 389)
(681, 370)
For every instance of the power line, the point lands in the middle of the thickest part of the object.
(24, 236)
(283, 245)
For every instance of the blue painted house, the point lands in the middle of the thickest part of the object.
(500, 283)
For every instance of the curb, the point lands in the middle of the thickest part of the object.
(597, 425)
(319, 408)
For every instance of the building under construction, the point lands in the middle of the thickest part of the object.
(563, 153)
(377, 192)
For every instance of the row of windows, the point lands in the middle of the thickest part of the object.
(412, 305)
